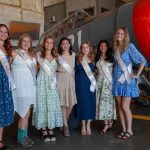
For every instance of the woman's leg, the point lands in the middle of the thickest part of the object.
(83, 128)
(65, 116)
(69, 110)
(127, 112)
(106, 127)
(1, 137)
(88, 127)
(64, 112)
(121, 113)
(23, 122)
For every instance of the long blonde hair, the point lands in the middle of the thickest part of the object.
(126, 40)
(90, 55)
(20, 41)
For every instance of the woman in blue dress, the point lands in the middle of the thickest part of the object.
(6, 101)
(124, 80)
(86, 100)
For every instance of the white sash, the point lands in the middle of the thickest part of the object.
(29, 63)
(66, 65)
(50, 72)
(90, 75)
(106, 72)
(126, 70)
(122, 78)
(6, 67)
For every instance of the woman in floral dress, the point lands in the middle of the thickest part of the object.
(6, 101)
(105, 102)
(47, 111)
(124, 80)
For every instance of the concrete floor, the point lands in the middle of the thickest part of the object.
(140, 140)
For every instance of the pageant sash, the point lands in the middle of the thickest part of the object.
(90, 75)
(49, 71)
(122, 77)
(6, 67)
(66, 65)
(126, 70)
(106, 72)
(29, 63)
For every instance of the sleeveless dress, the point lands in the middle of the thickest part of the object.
(6, 101)
(66, 83)
(25, 92)
(86, 100)
(47, 111)
(130, 56)
(105, 102)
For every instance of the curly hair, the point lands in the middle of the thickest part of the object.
(7, 43)
(109, 56)
(43, 51)
(20, 41)
(90, 54)
(60, 50)
(126, 40)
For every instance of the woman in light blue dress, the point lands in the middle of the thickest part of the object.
(124, 80)
(47, 112)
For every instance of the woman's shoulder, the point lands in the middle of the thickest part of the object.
(73, 54)
(131, 45)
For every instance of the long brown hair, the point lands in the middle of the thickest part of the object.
(20, 41)
(126, 40)
(60, 50)
(90, 54)
(7, 44)
(43, 52)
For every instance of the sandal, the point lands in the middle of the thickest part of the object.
(107, 129)
(126, 136)
(4, 147)
(121, 135)
(52, 136)
(45, 137)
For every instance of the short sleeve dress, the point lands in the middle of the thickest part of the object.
(130, 56)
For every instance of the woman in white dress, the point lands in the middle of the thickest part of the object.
(23, 72)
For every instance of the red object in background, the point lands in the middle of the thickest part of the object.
(141, 25)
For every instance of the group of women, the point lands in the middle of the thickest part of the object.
(53, 81)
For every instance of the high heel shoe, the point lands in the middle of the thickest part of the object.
(105, 129)
(111, 123)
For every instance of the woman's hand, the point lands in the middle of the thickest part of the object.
(133, 76)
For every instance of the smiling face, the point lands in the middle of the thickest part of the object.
(3, 33)
(103, 47)
(65, 45)
(26, 43)
(49, 44)
(120, 35)
(85, 49)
